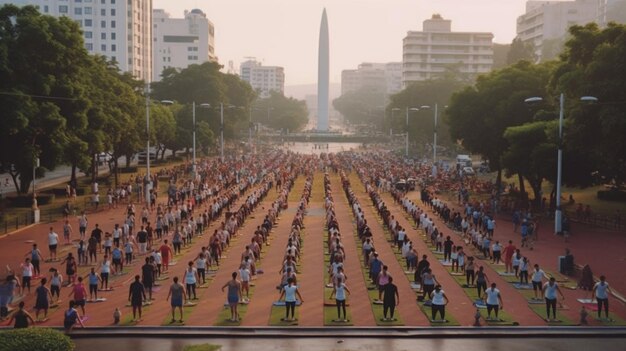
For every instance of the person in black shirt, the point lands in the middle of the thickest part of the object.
(391, 299)
(147, 277)
(21, 318)
(447, 249)
(142, 240)
(136, 296)
(97, 233)
(421, 267)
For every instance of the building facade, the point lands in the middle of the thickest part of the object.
(545, 24)
(118, 29)
(385, 77)
(429, 53)
(263, 79)
(180, 42)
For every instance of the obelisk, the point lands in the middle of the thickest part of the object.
(322, 76)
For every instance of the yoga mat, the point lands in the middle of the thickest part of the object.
(522, 286)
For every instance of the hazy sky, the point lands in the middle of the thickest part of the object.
(285, 32)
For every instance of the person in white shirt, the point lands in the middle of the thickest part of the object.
(493, 300)
(601, 292)
(550, 289)
(244, 274)
(53, 242)
(537, 280)
(438, 303)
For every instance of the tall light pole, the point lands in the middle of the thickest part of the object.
(392, 119)
(435, 138)
(558, 213)
(406, 140)
(250, 130)
(148, 183)
(221, 131)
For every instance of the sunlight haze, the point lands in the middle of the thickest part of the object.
(285, 32)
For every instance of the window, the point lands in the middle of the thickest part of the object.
(103, 1)
(103, 12)
(112, 24)
(112, 2)
(89, 46)
(112, 36)
(88, 10)
(112, 12)
(88, 35)
(78, 10)
(113, 47)
(103, 36)
(45, 8)
(63, 9)
(103, 47)
(78, 0)
(103, 24)
(88, 23)
(113, 59)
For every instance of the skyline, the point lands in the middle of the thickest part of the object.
(285, 33)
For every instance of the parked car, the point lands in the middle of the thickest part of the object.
(104, 157)
(468, 171)
(141, 157)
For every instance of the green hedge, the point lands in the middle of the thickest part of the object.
(27, 201)
(612, 195)
(35, 339)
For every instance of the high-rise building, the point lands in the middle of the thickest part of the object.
(429, 53)
(263, 79)
(545, 24)
(180, 42)
(118, 29)
(384, 77)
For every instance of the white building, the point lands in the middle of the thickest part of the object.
(117, 29)
(545, 24)
(263, 79)
(180, 42)
(427, 54)
(385, 77)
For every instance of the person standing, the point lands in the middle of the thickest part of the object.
(80, 294)
(166, 253)
(82, 225)
(27, 274)
(177, 293)
(439, 302)
(53, 242)
(601, 291)
(94, 279)
(493, 300)
(550, 290)
(67, 232)
(391, 299)
(105, 271)
(21, 318)
(537, 280)
(191, 280)
(35, 258)
(56, 280)
(508, 252)
(233, 296)
(147, 277)
(340, 291)
(43, 299)
(136, 297)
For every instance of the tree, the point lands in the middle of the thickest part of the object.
(479, 115)
(361, 106)
(41, 58)
(422, 123)
(519, 51)
(531, 154)
(282, 113)
(593, 64)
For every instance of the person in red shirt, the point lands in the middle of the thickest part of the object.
(509, 250)
(166, 253)
(80, 294)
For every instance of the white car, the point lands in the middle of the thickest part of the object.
(468, 171)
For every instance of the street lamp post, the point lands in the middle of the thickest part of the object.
(148, 183)
(435, 138)
(558, 213)
(392, 119)
(221, 132)
(406, 139)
